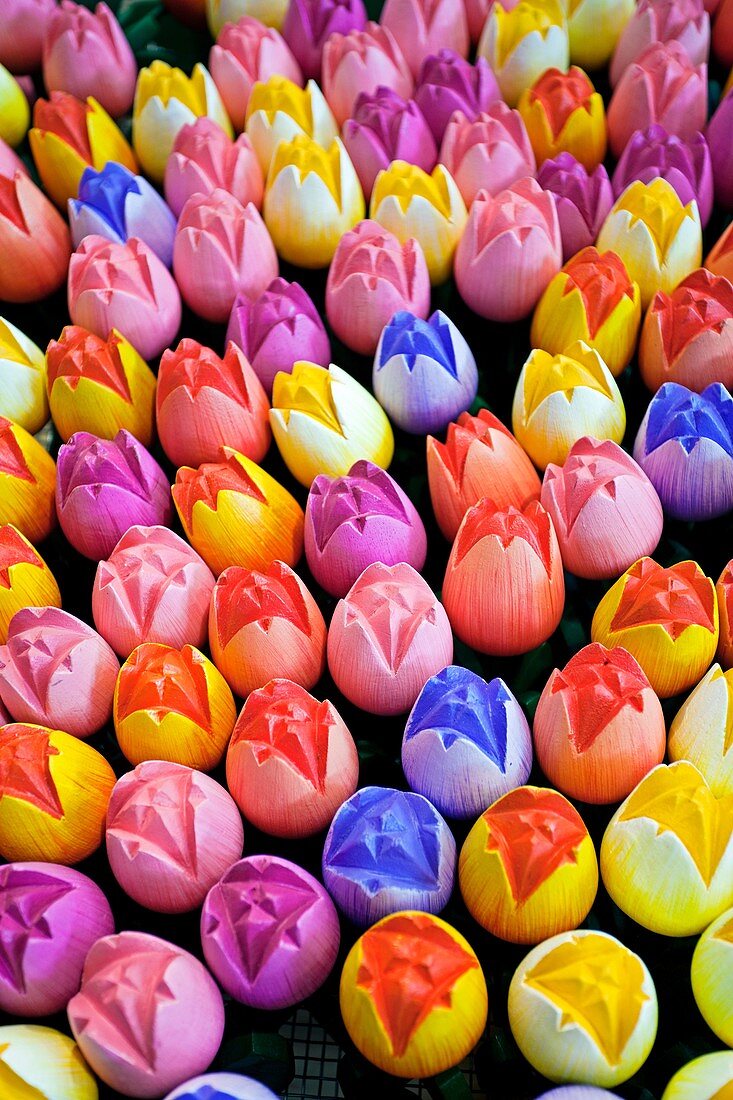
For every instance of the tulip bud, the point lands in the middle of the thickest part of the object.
(204, 403)
(720, 258)
(489, 153)
(69, 135)
(204, 159)
(582, 200)
(599, 727)
(521, 44)
(682, 21)
(247, 52)
(34, 242)
(312, 197)
(700, 731)
(410, 203)
(117, 205)
(480, 455)
(104, 487)
(362, 61)
(124, 287)
(499, 561)
(671, 828)
(165, 101)
(528, 868)
(15, 113)
(561, 398)
(99, 386)
(172, 832)
(387, 636)
(353, 521)
(277, 329)
(152, 588)
(54, 791)
(220, 12)
(658, 239)
(385, 127)
(662, 86)
(594, 27)
(509, 251)
(685, 164)
(423, 27)
(27, 478)
(280, 110)
(372, 277)
(583, 1008)
(263, 626)
(605, 510)
(10, 162)
(23, 25)
(173, 704)
(435, 1014)
(721, 153)
(424, 372)
(25, 579)
(466, 742)
(22, 379)
(233, 513)
(710, 978)
(564, 113)
(323, 421)
(448, 83)
(86, 53)
(291, 761)
(724, 592)
(685, 447)
(666, 618)
(308, 25)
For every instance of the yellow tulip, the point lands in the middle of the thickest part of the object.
(25, 579)
(27, 483)
(594, 27)
(521, 44)
(410, 203)
(269, 12)
(563, 113)
(15, 112)
(22, 379)
(38, 1061)
(279, 110)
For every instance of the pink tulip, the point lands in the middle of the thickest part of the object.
(448, 83)
(373, 276)
(204, 158)
(309, 23)
(34, 242)
(126, 287)
(23, 25)
(509, 251)
(362, 61)
(719, 135)
(385, 127)
(246, 52)
(422, 27)
(683, 21)
(490, 152)
(222, 249)
(86, 53)
(10, 162)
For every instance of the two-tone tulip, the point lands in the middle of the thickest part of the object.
(27, 480)
(717, 136)
(280, 110)
(309, 24)
(685, 164)
(489, 152)
(22, 379)
(86, 53)
(422, 27)
(246, 52)
(582, 200)
(313, 196)
(99, 385)
(271, 13)
(362, 61)
(700, 731)
(15, 112)
(23, 26)
(25, 579)
(204, 158)
(385, 127)
(594, 27)
(448, 83)
(521, 44)
(564, 113)
(683, 21)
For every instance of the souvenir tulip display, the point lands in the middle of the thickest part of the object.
(564, 113)
(14, 109)
(424, 372)
(22, 30)
(172, 704)
(716, 134)
(711, 975)
(504, 590)
(701, 730)
(98, 386)
(515, 233)
(247, 52)
(724, 594)
(86, 53)
(277, 329)
(385, 127)
(44, 1061)
(413, 995)
(386, 851)
(117, 205)
(56, 671)
(489, 152)
(172, 832)
(720, 258)
(323, 421)
(124, 287)
(688, 334)
(308, 25)
(230, 1086)
(54, 791)
(27, 477)
(280, 110)
(104, 487)
(522, 43)
(605, 511)
(667, 853)
(448, 83)
(34, 240)
(582, 199)
(135, 984)
(291, 761)
(23, 379)
(528, 868)
(357, 519)
(479, 456)
(362, 61)
(204, 160)
(50, 916)
(264, 625)
(234, 513)
(466, 742)
(25, 579)
(598, 727)
(683, 21)
(204, 403)
(685, 164)
(388, 635)
(594, 27)
(270, 932)
(703, 1076)
(666, 618)
(583, 1007)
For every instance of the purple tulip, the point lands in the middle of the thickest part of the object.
(684, 164)
(719, 134)
(582, 200)
(448, 83)
(106, 486)
(308, 23)
(277, 329)
(385, 127)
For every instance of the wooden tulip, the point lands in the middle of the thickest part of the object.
(711, 975)
(25, 579)
(38, 1061)
(231, 1085)
(34, 239)
(23, 379)
(701, 730)
(708, 1075)
(564, 113)
(522, 43)
(27, 480)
